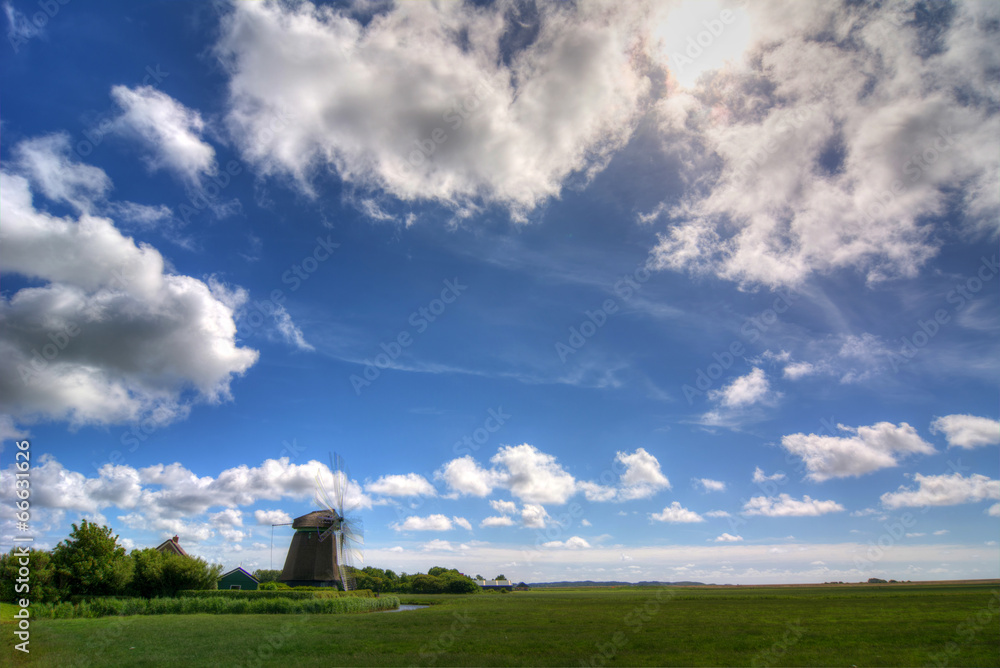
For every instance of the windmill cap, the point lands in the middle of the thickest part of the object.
(318, 519)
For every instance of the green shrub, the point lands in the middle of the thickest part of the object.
(106, 607)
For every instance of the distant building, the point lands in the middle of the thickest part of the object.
(238, 579)
(495, 584)
(172, 546)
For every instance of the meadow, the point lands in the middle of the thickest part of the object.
(863, 625)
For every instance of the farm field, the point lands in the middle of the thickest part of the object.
(890, 625)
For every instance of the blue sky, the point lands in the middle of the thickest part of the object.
(681, 291)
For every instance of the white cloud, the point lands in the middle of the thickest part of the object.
(994, 510)
(465, 477)
(711, 485)
(505, 507)
(585, 523)
(462, 522)
(572, 543)
(745, 391)
(846, 153)
(410, 484)
(642, 477)
(798, 370)
(124, 338)
(717, 513)
(941, 532)
(785, 506)
(967, 431)
(408, 106)
(228, 517)
(497, 521)
(438, 545)
(171, 131)
(435, 522)
(48, 164)
(869, 449)
(267, 517)
(728, 538)
(532, 475)
(943, 490)
(916, 534)
(759, 476)
(675, 513)
(533, 516)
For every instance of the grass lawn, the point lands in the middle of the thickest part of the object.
(897, 625)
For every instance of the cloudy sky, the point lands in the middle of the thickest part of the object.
(672, 291)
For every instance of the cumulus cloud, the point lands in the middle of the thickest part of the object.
(943, 490)
(421, 104)
(108, 335)
(465, 477)
(505, 507)
(438, 545)
(497, 521)
(728, 538)
(784, 505)
(462, 522)
(533, 516)
(869, 449)
(411, 484)
(170, 131)
(860, 132)
(710, 485)
(745, 391)
(717, 513)
(675, 513)
(267, 517)
(435, 522)
(760, 477)
(572, 543)
(642, 477)
(532, 475)
(967, 431)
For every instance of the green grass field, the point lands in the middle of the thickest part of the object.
(896, 625)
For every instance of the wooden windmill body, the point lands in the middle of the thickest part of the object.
(326, 543)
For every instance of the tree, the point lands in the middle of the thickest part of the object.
(91, 563)
(500, 577)
(265, 575)
(40, 586)
(164, 573)
(479, 577)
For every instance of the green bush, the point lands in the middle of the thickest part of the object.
(41, 585)
(106, 607)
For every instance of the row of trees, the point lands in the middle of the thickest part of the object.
(91, 563)
(437, 580)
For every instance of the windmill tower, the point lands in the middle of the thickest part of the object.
(326, 544)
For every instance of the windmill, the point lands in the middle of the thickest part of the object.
(327, 543)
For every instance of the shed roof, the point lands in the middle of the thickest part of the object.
(240, 569)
